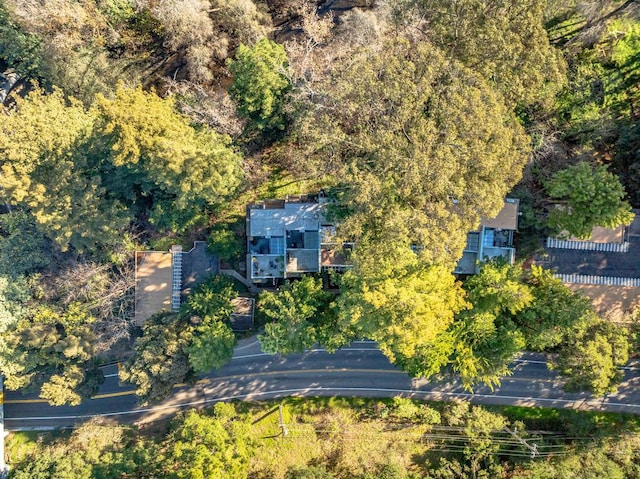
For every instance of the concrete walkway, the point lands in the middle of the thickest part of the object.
(237, 276)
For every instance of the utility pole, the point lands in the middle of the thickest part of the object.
(532, 447)
(283, 426)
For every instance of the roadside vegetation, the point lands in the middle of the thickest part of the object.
(340, 438)
(137, 124)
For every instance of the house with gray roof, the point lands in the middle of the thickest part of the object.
(493, 239)
(288, 238)
(284, 238)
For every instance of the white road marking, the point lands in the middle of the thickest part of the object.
(257, 395)
(249, 345)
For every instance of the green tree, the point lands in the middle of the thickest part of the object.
(308, 472)
(14, 297)
(420, 147)
(20, 49)
(139, 458)
(484, 347)
(211, 346)
(588, 197)
(204, 446)
(72, 385)
(505, 41)
(485, 338)
(52, 350)
(156, 156)
(481, 428)
(591, 359)
(161, 359)
(404, 304)
(513, 309)
(228, 245)
(212, 298)
(174, 347)
(260, 83)
(210, 308)
(555, 312)
(17, 256)
(95, 449)
(499, 288)
(600, 98)
(84, 174)
(296, 311)
(44, 160)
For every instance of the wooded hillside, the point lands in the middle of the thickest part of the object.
(140, 123)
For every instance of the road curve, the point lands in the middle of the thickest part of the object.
(359, 370)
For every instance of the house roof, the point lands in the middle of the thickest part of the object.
(153, 284)
(507, 218)
(601, 235)
(242, 316)
(294, 216)
(155, 279)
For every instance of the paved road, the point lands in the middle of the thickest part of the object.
(360, 370)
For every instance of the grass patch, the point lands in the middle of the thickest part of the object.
(571, 422)
(331, 431)
(283, 184)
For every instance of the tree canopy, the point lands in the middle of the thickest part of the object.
(46, 168)
(100, 168)
(209, 307)
(593, 356)
(515, 308)
(205, 446)
(52, 350)
(260, 83)
(297, 313)
(503, 40)
(419, 146)
(156, 152)
(405, 305)
(161, 358)
(587, 196)
(175, 347)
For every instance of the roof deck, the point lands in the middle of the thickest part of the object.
(265, 222)
(283, 238)
(266, 266)
(494, 239)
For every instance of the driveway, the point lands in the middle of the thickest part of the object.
(596, 263)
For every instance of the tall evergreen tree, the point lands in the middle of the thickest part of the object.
(419, 146)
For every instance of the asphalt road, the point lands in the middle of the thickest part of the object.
(360, 370)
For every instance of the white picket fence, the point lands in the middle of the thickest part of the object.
(599, 280)
(588, 245)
